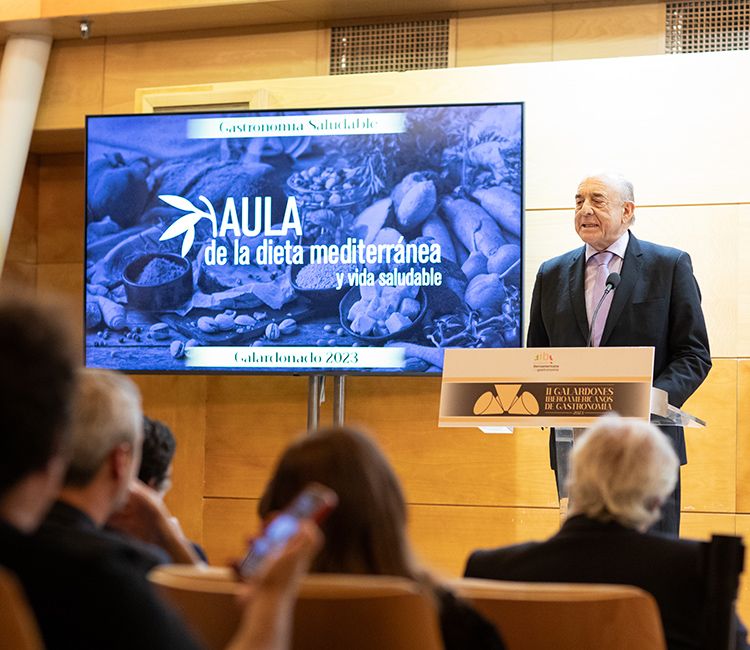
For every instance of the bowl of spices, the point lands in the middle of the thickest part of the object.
(328, 198)
(158, 282)
(322, 283)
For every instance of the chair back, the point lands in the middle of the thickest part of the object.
(205, 597)
(18, 628)
(342, 612)
(537, 616)
(725, 557)
(332, 611)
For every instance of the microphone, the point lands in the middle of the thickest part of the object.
(613, 279)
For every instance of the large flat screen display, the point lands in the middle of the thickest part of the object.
(358, 240)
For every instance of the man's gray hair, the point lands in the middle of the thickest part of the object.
(617, 181)
(106, 412)
(622, 470)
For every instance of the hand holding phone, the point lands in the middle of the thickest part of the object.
(315, 502)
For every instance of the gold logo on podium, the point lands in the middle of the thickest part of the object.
(507, 399)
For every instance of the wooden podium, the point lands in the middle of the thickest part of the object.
(565, 389)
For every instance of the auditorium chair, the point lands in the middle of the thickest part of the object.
(332, 612)
(724, 562)
(539, 616)
(18, 629)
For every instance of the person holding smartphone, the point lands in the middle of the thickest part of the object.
(366, 532)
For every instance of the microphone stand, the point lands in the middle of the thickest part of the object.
(613, 279)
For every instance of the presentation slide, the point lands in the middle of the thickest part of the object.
(362, 240)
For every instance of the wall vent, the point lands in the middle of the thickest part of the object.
(707, 26)
(203, 108)
(390, 47)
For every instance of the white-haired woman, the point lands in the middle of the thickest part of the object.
(621, 472)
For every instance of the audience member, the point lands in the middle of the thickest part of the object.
(107, 435)
(366, 532)
(159, 446)
(621, 472)
(81, 599)
(144, 515)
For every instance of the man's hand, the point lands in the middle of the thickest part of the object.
(145, 517)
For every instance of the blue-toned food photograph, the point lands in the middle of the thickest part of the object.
(361, 240)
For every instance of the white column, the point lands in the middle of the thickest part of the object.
(21, 80)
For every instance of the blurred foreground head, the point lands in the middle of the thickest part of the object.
(366, 532)
(622, 470)
(36, 386)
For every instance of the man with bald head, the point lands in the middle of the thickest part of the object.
(657, 302)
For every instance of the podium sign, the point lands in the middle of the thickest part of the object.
(562, 387)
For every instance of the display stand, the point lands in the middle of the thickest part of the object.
(315, 394)
(339, 397)
(316, 390)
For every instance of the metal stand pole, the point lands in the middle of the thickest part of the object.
(339, 394)
(314, 388)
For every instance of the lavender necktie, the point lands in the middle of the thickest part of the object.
(602, 261)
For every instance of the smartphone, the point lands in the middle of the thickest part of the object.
(314, 502)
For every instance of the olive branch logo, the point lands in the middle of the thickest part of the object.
(187, 222)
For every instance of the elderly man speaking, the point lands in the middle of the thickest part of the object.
(657, 303)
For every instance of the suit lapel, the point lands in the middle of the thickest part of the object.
(577, 291)
(631, 268)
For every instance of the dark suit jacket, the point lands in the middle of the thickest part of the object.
(88, 589)
(71, 529)
(588, 551)
(657, 304)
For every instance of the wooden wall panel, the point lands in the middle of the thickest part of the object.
(180, 402)
(492, 38)
(743, 436)
(449, 466)
(73, 85)
(742, 240)
(701, 525)
(20, 9)
(444, 536)
(250, 420)
(709, 478)
(61, 208)
(580, 33)
(255, 53)
(66, 281)
(228, 525)
(22, 245)
(18, 276)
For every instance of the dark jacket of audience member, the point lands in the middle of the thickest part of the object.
(620, 473)
(90, 600)
(366, 532)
